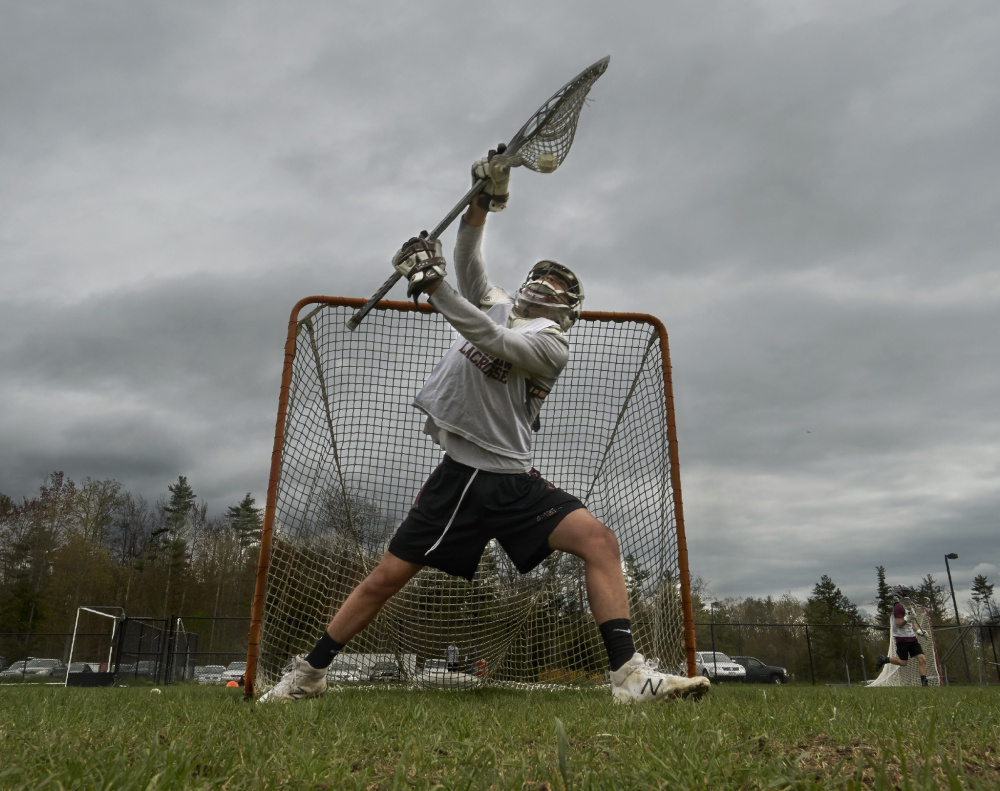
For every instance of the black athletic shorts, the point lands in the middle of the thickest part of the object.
(459, 509)
(906, 649)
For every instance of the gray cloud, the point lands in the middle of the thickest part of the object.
(805, 194)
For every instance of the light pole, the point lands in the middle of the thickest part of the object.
(954, 601)
(715, 663)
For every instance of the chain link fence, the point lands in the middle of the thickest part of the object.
(846, 653)
(172, 650)
(154, 650)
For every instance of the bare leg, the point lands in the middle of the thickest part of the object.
(366, 600)
(922, 662)
(582, 535)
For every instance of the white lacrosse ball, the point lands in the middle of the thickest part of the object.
(546, 162)
(155, 691)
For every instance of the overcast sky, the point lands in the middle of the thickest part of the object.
(806, 193)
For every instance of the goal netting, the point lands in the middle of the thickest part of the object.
(350, 456)
(909, 676)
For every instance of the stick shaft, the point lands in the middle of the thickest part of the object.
(355, 321)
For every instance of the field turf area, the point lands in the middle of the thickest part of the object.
(738, 737)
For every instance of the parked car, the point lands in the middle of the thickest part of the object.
(210, 674)
(234, 672)
(718, 667)
(16, 669)
(342, 672)
(45, 668)
(385, 671)
(759, 673)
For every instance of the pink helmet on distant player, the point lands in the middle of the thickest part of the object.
(551, 291)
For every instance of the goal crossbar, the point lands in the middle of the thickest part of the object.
(349, 456)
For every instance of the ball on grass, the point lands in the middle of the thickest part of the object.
(155, 691)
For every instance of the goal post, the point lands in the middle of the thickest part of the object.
(893, 675)
(350, 455)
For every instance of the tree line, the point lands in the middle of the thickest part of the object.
(95, 543)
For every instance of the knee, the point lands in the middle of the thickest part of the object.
(600, 543)
(383, 583)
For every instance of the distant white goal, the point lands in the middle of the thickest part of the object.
(909, 676)
(350, 455)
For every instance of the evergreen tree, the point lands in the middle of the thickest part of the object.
(937, 602)
(828, 604)
(833, 647)
(247, 521)
(178, 513)
(983, 608)
(182, 500)
(883, 598)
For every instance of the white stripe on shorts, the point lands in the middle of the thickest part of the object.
(454, 514)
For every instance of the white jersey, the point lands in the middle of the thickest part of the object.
(477, 397)
(483, 398)
(906, 631)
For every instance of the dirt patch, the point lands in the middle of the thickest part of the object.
(822, 757)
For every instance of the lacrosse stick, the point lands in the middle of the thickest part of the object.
(540, 145)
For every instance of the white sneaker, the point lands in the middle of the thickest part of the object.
(301, 680)
(639, 679)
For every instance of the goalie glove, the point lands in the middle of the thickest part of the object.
(497, 189)
(421, 262)
(920, 632)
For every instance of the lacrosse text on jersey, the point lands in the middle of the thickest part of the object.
(484, 402)
(491, 366)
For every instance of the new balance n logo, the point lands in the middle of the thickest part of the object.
(649, 683)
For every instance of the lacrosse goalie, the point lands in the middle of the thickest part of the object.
(482, 402)
(905, 633)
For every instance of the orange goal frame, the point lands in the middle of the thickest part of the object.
(273, 480)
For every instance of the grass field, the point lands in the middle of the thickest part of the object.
(738, 737)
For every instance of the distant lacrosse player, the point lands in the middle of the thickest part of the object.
(482, 401)
(905, 633)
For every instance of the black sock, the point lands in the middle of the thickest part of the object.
(324, 652)
(617, 636)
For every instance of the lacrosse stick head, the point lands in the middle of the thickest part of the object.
(544, 141)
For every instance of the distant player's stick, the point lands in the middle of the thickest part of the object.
(911, 611)
(540, 145)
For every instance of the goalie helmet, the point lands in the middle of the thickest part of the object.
(551, 291)
(902, 591)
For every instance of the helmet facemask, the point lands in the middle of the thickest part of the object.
(551, 291)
